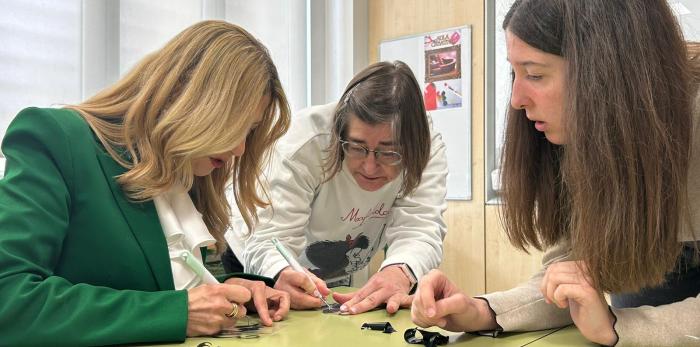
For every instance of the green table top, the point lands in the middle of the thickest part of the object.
(568, 336)
(314, 328)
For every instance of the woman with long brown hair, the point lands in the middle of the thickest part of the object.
(600, 168)
(106, 206)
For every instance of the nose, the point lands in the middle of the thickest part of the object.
(240, 149)
(369, 164)
(518, 95)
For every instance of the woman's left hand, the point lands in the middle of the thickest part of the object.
(390, 286)
(270, 304)
(567, 284)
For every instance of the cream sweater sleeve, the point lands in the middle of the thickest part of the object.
(523, 308)
(676, 324)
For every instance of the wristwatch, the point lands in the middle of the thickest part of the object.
(409, 274)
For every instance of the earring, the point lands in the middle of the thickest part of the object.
(522, 107)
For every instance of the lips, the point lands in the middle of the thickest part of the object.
(370, 178)
(540, 126)
(217, 163)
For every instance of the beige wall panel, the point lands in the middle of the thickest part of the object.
(464, 245)
(506, 266)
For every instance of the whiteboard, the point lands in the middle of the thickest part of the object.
(441, 61)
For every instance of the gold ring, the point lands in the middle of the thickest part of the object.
(234, 311)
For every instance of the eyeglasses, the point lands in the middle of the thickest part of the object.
(357, 151)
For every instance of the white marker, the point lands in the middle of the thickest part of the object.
(297, 267)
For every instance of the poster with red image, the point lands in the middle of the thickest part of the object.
(443, 70)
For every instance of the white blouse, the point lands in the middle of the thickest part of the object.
(185, 233)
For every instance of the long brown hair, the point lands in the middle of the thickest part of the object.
(617, 189)
(385, 92)
(193, 98)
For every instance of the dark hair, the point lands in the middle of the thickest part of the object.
(385, 92)
(617, 189)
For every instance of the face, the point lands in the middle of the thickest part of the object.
(204, 166)
(369, 174)
(538, 87)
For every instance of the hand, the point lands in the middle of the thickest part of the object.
(567, 284)
(270, 304)
(390, 286)
(300, 289)
(208, 305)
(438, 302)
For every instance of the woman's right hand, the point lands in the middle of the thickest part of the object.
(209, 304)
(300, 289)
(438, 302)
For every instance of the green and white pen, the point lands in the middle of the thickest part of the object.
(198, 268)
(297, 267)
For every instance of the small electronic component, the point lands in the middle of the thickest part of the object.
(385, 327)
(332, 308)
(426, 338)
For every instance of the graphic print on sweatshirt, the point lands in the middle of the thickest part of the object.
(334, 259)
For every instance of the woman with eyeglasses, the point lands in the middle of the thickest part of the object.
(349, 178)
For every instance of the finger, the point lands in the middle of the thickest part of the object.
(300, 280)
(342, 298)
(301, 300)
(359, 296)
(454, 304)
(238, 309)
(371, 301)
(418, 317)
(566, 292)
(563, 267)
(560, 273)
(319, 284)
(260, 302)
(234, 293)
(425, 295)
(282, 306)
(395, 301)
(347, 300)
(556, 279)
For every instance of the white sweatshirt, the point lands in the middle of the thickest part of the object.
(336, 227)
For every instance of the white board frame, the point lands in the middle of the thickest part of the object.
(454, 123)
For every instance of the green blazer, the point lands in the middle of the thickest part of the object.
(79, 263)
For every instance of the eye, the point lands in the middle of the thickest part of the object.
(355, 148)
(534, 77)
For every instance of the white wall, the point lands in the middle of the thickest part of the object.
(39, 55)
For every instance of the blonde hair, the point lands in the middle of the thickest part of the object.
(195, 97)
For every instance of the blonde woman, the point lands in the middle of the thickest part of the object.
(106, 205)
